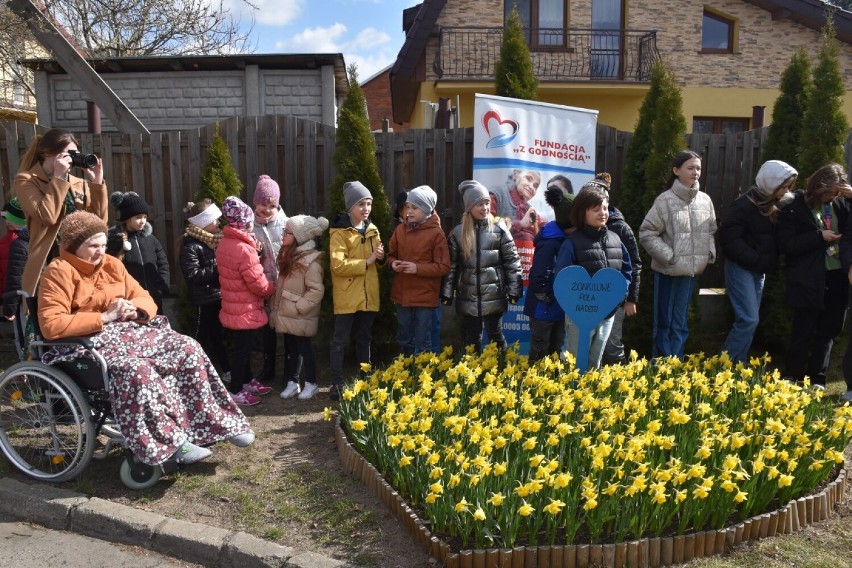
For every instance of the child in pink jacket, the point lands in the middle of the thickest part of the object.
(244, 287)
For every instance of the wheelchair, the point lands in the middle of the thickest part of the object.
(54, 417)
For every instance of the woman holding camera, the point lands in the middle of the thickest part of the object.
(48, 192)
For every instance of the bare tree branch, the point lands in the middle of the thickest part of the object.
(114, 28)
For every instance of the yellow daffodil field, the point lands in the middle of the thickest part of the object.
(493, 452)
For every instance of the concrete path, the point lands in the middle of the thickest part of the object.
(29, 545)
(64, 510)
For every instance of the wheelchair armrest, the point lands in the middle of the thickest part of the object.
(82, 341)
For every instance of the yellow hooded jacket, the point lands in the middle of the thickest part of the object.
(355, 286)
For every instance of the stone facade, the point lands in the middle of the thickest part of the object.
(175, 100)
(764, 45)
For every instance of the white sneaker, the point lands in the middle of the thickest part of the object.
(309, 391)
(226, 377)
(846, 397)
(291, 390)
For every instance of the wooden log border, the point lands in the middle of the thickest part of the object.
(645, 553)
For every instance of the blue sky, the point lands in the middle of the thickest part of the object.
(367, 32)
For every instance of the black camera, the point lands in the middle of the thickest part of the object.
(82, 160)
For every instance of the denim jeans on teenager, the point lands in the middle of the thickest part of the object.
(359, 324)
(597, 339)
(414, 333)
(744, 289)
(436, 329)
(672, 295)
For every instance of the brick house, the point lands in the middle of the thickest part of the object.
(179, 92)
(379, 106)
(728, 55)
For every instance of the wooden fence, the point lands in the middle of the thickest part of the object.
(165, 167)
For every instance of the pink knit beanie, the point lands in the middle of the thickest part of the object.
(266, 191)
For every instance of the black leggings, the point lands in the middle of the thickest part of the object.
(299, 352)
(208, 332)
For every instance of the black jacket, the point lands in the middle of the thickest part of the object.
(800, 239)
(618, 225)
(145, 261)
(18, 252)
(198, 266)
(748, 237)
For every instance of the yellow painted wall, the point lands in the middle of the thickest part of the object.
(618, 108)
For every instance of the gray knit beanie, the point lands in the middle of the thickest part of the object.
(423, 197)
(772, 175)
(353, 192)
(472, 193)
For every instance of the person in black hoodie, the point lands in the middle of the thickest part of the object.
(747, 236)
(809, 231)
(197, 263)
(132, 241)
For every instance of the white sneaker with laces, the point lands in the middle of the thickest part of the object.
(291, 390)
(309, 391)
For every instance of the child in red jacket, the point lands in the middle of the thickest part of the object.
(244, 288)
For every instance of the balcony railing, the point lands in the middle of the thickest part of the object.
(470, 53)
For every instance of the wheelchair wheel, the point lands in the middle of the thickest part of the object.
(138, 475)
(46, 429)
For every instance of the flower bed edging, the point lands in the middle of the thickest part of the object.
(644, 553)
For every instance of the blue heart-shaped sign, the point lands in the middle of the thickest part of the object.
(588, 300)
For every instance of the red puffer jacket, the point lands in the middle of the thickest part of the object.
(244, 286)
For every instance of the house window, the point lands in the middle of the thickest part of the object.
(546, 20)
(719, 125)
(717, 33)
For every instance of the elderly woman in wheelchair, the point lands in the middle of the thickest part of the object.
(165, 396)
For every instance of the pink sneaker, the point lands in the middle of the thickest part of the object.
(245, 398)
(256, 387)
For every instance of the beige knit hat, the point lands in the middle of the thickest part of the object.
(77, 227)
(305, 227)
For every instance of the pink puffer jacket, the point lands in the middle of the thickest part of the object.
(244, 286)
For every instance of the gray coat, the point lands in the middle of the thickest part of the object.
(482, 283)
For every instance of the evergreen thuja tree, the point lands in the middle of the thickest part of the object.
(629, 198)
(785, 131)
(513, 73)
(355, 159)
(219, 179)
(824, 128)
(660, 133)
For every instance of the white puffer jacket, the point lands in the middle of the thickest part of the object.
(678, 231)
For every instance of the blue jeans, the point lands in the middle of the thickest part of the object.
(672, 295)
(414, 333)
(744, 289)
(597, 339)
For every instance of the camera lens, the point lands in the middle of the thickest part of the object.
(83, 160)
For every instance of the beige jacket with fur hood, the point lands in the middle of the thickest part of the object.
(295, 305)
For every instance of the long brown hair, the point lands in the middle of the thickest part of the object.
(822, 181)
(48, 144)
(289, 256)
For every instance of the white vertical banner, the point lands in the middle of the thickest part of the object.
(519, 148)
